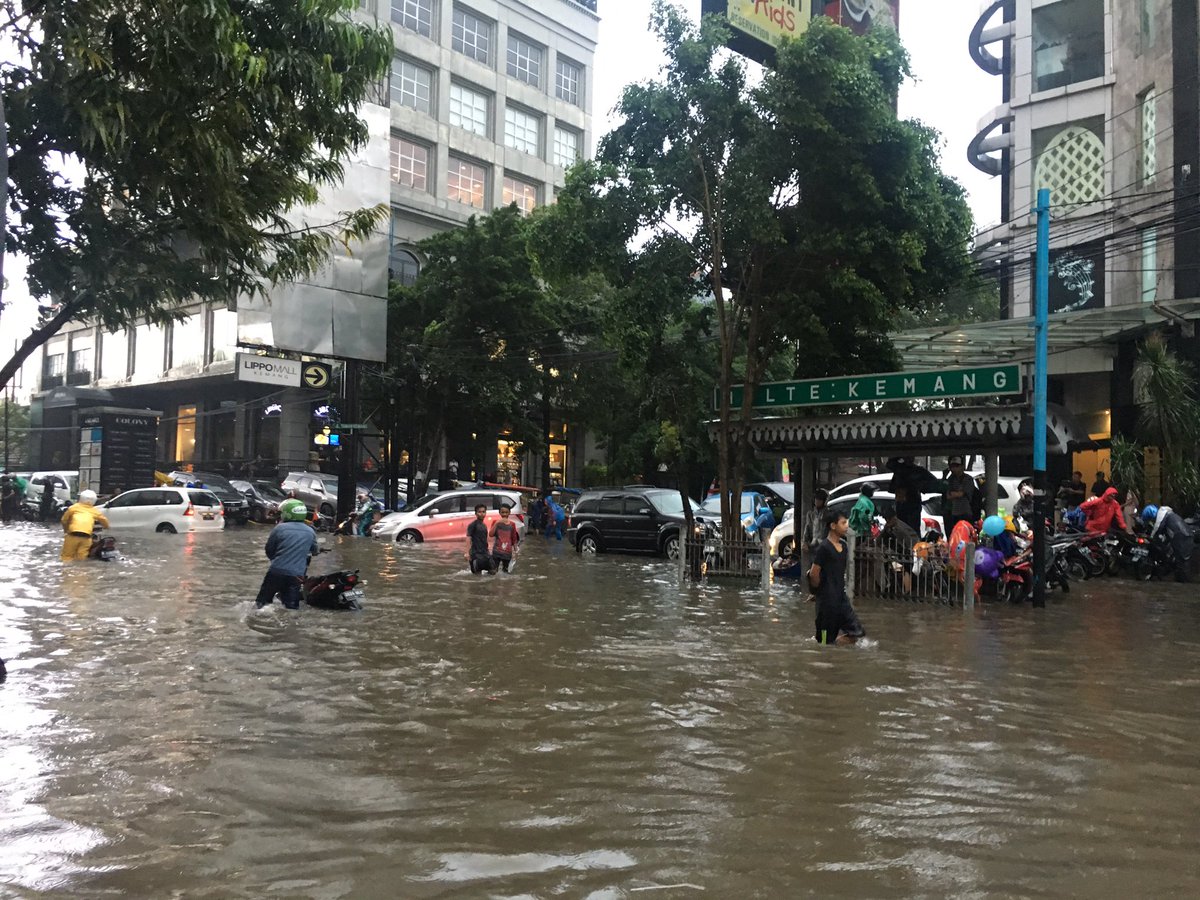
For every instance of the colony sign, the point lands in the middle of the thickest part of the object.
(933, 385)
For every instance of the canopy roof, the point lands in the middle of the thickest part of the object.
(1001, 429)
(1011, 340)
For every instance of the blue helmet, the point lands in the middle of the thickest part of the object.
(1149, 513)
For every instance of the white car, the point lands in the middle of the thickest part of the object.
(1008, 489)
(166, 510)
(783, 538)
(444, 517)
(66, 485)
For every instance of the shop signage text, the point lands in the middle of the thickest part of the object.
(268, 370)
(886, 386)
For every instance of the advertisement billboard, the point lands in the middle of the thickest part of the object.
(861, 15)
(760, 26)
(340, 311)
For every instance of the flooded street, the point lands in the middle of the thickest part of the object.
(580, 728)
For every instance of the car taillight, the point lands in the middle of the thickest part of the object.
(190, 511)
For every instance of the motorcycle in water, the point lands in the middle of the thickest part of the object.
(104, 547)
(333, 590)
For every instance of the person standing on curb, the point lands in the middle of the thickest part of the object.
(289, 547)
(836, 622)
(960, 497)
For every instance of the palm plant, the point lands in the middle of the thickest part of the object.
(1169, 416)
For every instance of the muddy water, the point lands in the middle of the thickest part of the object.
(577, 729)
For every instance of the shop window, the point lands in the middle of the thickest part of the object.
(1068, 43)
(185, 434)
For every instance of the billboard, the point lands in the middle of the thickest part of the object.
(861, 15)
(341, 310)
(760, 26)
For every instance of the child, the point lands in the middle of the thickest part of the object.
(477, 543)
(836, 619)
(505, 538)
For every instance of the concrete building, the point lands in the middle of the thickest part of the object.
(488, 102)
(1100, 104)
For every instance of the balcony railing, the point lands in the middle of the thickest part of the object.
(52, 381)
(78, 377)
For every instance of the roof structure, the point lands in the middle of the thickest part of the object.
(1011, 340)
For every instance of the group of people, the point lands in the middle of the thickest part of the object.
(547, 516)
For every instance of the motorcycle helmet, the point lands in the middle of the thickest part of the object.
(292, 511)
(869, 488)
(88, 497)
(1149, 513)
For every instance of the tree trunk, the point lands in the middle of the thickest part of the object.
(36, 338)
(3, 196)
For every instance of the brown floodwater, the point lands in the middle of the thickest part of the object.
(581, 728)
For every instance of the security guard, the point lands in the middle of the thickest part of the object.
(78, 522)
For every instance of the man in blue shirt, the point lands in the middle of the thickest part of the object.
(289, 547)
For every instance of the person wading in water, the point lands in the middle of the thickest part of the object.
(836, 620)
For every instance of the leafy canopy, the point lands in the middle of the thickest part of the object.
(198, 126)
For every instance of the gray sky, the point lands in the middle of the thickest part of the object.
(949, 93)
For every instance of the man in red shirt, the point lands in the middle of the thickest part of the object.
(1103, 512)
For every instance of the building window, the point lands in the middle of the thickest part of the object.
(224, 334)
(415, 15)
(149, 352)
(187, 342)
(566, 147)
(524, 60)
(469, 109)
(55, 370)
(81, 360)
(466, 182)
(410, 163)
(114, 355)
(403, 267)
(1069, 160)
(522, 131)
(521, 193)
(1149, 163)
(567, 78)
(1149, 265)
(185, 434)
(1068, 43)
(1147, 22)
(412, 85)
(471, 35)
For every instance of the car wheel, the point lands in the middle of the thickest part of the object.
(670, 547)
(327, 510)
(409, 537)
(589, 545)
(786, 546)
(260, 516)
(166, 528)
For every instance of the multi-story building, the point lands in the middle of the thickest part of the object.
(488, 103)
(1101, 105)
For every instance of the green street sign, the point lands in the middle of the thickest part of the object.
(989, 381)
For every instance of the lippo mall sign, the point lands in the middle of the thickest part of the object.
(989, 381)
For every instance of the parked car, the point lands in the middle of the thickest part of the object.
(444, 517)
(640, 520)
(710, 509)
(1007, 488)
(237, 508)
(66, 485)
(317, 490)
(781, 495)
(166, 510)
(263, 497)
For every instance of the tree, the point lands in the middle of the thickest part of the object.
(14, 434)
(197, 127)
(812, 213)
(1169, 416)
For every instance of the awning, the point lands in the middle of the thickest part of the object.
(1011, 340)
(932, 432)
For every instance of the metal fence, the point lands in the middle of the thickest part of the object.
(877, 568)
(921, 571)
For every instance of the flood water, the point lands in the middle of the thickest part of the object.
(580, 728)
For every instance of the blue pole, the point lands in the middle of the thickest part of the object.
(1041, 316)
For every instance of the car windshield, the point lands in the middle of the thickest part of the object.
(669, 503)
(785, 490)
(270, 492)
(713, 504)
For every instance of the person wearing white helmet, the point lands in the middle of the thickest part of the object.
(78, 522)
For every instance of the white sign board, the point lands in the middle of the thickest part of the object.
(269, 370)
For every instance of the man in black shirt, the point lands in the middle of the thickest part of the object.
(836, 619)
(477, 553)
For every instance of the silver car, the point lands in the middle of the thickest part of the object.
(315, 489)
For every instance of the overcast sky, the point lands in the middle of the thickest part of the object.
(949, 93)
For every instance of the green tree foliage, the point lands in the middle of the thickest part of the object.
(197, 126)
(811, 212)
(1169, 416)
(14, 433)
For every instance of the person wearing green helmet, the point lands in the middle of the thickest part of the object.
(289, 547)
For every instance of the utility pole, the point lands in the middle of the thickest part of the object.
(349, 412)
(1040, 364)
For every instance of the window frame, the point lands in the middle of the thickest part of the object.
(519, 120)
(506, 199)
(456, 118)
(454, 172)
(459, 43)
(555, 157)
(400, 61)
(559, 63)
(526, 74)
(395, 157)
(401, 16)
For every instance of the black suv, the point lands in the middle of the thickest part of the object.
(237, 507)
(646, 520)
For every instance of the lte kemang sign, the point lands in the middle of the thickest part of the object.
(760, 26)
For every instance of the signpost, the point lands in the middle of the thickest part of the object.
(884, 387)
